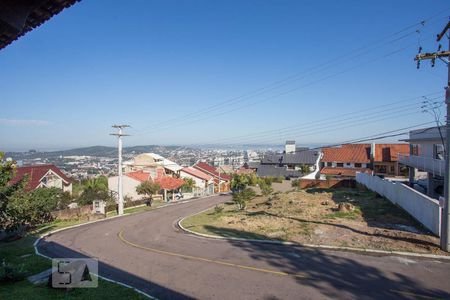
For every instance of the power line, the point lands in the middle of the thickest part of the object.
(182, 122)
(324, 121)
(283, 81)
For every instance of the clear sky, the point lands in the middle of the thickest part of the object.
(173, 70)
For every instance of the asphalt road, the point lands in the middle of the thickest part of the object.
(148, 251)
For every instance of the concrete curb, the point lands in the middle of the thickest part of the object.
(36, 242)
(327, 247)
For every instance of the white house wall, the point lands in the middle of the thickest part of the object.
(200, 183)
(129, 186)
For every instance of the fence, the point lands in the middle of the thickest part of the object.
(329, 183)
(424, 209)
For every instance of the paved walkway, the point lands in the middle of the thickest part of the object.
(148, 251)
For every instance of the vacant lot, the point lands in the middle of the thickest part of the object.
(338, 217)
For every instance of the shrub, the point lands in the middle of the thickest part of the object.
(11, 273)
(240, 198)
(218, 209)
(295, 183)
(266, 189)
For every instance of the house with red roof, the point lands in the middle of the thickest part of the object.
(39, 176)
(131, 180)
(219, 178)
(385, 159)
(204, 182)
(346, 160)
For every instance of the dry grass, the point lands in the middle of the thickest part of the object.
(311, 216)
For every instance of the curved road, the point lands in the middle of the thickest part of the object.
(148, 251)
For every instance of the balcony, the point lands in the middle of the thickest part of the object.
(425, 164)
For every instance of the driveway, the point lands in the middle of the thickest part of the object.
(148, 251)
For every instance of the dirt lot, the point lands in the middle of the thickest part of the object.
(312, 216)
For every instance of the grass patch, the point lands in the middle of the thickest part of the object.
(320, 216)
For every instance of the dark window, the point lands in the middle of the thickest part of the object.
(340, 164)
(358, 165)
(438, 151)
(329, 164)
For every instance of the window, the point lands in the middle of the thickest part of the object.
(340, 164)
(329, 164)
(358, 165)
(348, 164)
(438, 151)
(392, 169)
(415, 150)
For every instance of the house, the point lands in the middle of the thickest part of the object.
(204, 183)
(346, 160)
(385, 158)
(426, 158)
(293, 158)
(293, 161)
(131, 180)
(276, 171)
(219, 178)
(149, 162)
(43, 176)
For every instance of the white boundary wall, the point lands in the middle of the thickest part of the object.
(424, 209)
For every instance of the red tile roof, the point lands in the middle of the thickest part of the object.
(245, 171)
(343, 171)
(197, 173)
(139, 175)
(389, 152)
(204, 167)
(347, 153)
(169, 183)
(35, 174)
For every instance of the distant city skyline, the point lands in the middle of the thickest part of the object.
(219, 73)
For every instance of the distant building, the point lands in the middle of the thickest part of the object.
(276, 171)
(40, 176)
(219, 178)
(204, 182)
(289, 147)
(151, 161)
(293, 160)
(131, 180)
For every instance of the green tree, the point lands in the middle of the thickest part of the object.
(35, 207)
(94, 189)
(188, 185)
(240, 198)
(9, 220)
(239, 182)
(148, 188)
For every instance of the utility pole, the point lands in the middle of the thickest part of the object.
(119, 135)
(445, 57)
(219, 180)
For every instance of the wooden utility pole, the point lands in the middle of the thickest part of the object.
(445, 57)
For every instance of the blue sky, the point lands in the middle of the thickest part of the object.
(156, 64)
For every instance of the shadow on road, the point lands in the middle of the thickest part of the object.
(335, 276)
(52, 249)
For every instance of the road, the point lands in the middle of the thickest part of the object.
(148, 251)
